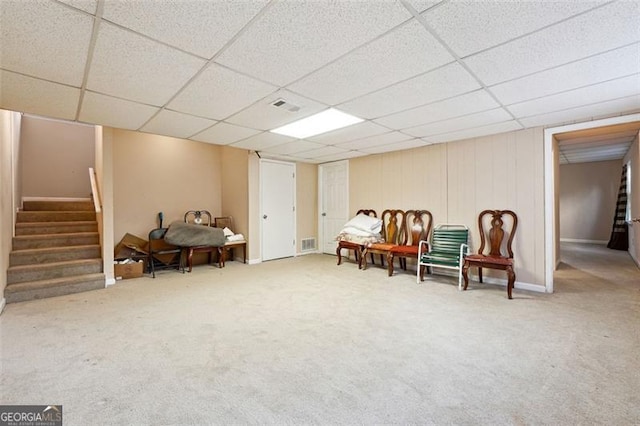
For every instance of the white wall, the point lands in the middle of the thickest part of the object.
(588, 195)
(633, 156)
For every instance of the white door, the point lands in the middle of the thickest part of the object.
(277, 193)
(334, 202)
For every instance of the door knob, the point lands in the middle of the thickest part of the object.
(264, 216)
(324, 214)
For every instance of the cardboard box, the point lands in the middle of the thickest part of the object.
(128, 270)
(131, 246)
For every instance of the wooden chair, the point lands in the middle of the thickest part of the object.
(417, 227)
(496, 232)
(198, 217)
(229, 246)
(350, 245)
(163, 255)
(392, 223)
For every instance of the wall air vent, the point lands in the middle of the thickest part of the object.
(308, 244)
(281, 103)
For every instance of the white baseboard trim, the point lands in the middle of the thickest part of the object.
(3, 303)
(254, 261)
(304, 253)
(54, 199)
(491, 280)
(110, 281)
(573, 240)
(635, 260)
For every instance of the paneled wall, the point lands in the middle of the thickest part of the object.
(633, 157)
(456, 181)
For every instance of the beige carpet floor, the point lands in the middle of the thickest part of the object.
(303, 341)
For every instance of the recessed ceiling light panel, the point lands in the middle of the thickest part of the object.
(325, 121)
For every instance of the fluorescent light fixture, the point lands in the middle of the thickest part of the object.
(322, 122)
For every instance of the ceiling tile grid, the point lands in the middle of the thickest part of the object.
(44, 39)
(417, 71)
(133, 67)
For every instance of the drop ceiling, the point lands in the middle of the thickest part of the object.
(418, 72)
(597, 144)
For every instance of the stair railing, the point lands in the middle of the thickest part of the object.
(94, 190)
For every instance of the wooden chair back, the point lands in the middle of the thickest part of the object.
(198, 217)
(224, 222)
(417, 227)
(493, 231)
(392, 223)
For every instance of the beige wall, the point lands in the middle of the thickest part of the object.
(9, 143)
(55, 158)
(154, 174)
(633, 156)
(235, 189)
(306, 203)
(456, 181)
(588, 194)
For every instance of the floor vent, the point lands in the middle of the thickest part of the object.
(308, 244)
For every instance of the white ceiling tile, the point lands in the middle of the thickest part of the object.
(613, 89)
(346, 134)
(26, 94)
(471, 26)
(262, 115)
(171, 123)
(342, 156)
(445, 82)
(422, 5)
(88, 6)
(371, 141)
(574, 39)
(219, 92)
(114, 112)
(224, 134)
(506, 126)
(403, 53)
(291, 38)
(630, 103)
(294, 147)
(202, 28)
(44, 39)
(322, 152)
(132, 67)
(610, 65)
(262, 141)
(469, 103)
(398, 146)
(460, 123)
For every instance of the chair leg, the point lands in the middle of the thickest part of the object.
(465, 275)
(338, 253)
(359, 257)
(190, 259)
(363, 260)
(512, 279)
(420, 273)
(390, 263)
(480, 273)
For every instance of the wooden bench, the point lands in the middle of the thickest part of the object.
(447, 249)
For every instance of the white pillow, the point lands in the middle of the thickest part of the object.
(365, 223)
(355, 231)
(227, 232)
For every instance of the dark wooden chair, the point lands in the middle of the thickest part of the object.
(417, 227)
(350, 245)
(496, 232)
(392, 223)
(198, 217)
(163, 255)
(229, 246)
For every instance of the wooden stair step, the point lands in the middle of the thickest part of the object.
(23, 242)
(23, 273)
(38, 228)
(40, 289)
(51, 205)
(54, 254)
(55, 216)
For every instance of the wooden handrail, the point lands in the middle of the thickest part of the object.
(94, 190)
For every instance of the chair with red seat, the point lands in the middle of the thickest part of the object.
(417, 227)
(496, 232)
(392, 223)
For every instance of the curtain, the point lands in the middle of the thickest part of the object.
(620, 233)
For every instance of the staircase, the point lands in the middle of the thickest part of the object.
(56, 251)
